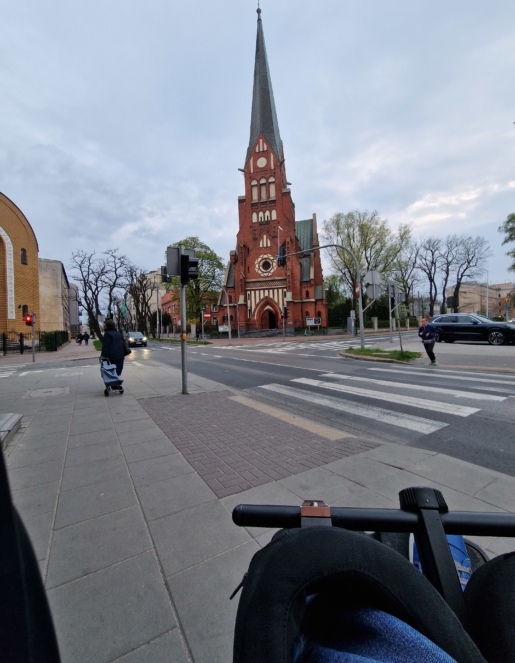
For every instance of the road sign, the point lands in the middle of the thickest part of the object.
(356, 289)
(374, 291)
(207, 316)
(373, 277)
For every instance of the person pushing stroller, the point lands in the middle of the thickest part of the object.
(427, 333)
(113, 346)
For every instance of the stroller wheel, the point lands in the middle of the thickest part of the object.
(106, 392)
(121, 390)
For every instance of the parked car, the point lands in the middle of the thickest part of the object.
(136, 338)
(452, 327)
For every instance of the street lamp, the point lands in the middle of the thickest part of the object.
(483, 269)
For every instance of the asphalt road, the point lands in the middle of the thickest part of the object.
(467, 415)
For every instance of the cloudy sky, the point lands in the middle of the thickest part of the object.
(123, 123)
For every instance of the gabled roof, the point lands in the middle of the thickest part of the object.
(264, 116)
(304, 232)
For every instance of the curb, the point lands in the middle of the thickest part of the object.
(379, 360)
(9, 424)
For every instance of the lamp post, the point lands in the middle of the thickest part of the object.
(228, 313)
(483, 269)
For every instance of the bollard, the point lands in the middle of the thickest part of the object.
(21, 344)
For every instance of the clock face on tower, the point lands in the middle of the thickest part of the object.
(266, 265)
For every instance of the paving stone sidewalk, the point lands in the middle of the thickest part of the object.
(128, 501)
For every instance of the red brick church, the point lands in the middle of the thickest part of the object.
(258, 288)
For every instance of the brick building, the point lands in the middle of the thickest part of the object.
(19, 274)
(256, 286)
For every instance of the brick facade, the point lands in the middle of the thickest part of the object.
(257, 287)
(19, 276)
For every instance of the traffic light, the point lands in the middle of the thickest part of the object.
(164, 274)
(281, 258)
(286, 313)
(28, 320)
(189, 269)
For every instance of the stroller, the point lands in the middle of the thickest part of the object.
(112, 380)
(327, 589)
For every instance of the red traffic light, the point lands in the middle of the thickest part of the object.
(28, 320)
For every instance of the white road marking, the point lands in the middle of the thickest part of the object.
(40, 371)
(402, 420)
(421, 388)
(441, 374)
(435, 406)
(136, 363)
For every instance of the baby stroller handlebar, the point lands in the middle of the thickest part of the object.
(384, 520)
(423, 511)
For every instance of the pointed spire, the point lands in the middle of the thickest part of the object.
(264, 116)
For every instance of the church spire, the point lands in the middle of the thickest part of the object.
(264, 116)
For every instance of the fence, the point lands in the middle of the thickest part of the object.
(14, 342)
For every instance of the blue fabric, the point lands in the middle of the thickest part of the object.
(369, 635)
(427, 333)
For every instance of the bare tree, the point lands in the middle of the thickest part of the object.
(406, 272)
(449, 252)
(508, 228)
(430, 263)
(99, 277)
(470, 261)
(141, 287)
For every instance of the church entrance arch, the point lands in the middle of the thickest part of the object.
(268, 320)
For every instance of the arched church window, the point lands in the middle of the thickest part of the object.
(307, 294)
(23, 256)
(307, 314)
(262, 183)
(254, 217)
(319, 314)
(230, 299)
(267, 216)
(274, 215)
(261, 217)
(254, 189)
(271, 183)
(24, 310)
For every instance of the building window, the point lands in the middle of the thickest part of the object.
(319, 314)
(267, 216)
(23, 256)
(214, 308)
(271, 181)
(261, 218)
(262, 186)
(230, 299)
(215, 322)
(307, 314)
(274, 215)
(25, 310)
(307, 294)
(254, 189)
(254, 217)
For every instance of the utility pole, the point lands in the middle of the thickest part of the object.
(184, 333)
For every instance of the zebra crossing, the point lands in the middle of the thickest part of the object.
(9, 370)
(299, 346)
(418, 401)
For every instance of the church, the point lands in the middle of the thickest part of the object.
(258, 288)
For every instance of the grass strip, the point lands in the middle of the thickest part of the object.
(97, 345)
(386, 354)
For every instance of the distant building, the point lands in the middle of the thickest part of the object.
(473, 298)
(53, 296)
(74, 304)
(257, 287)
(19, 274)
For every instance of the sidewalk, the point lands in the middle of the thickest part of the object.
(128, 501)
(460, 356)
(68, 352)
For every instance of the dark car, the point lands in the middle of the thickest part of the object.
(136, 338)
(452, 327)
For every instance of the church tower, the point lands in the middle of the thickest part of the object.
(258, 288)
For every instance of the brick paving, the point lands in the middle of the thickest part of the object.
(234, 448)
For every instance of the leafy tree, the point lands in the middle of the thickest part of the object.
(203, 290)
(508, 227)
(334, 292)
(371, 240)
(166, 320)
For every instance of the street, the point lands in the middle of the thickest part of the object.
(466, 415)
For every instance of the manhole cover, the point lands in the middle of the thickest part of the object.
(43, 393)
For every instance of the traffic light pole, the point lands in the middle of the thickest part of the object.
(33, 350)
(358, 277)
(184, 335)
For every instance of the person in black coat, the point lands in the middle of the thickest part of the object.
(113, 346)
